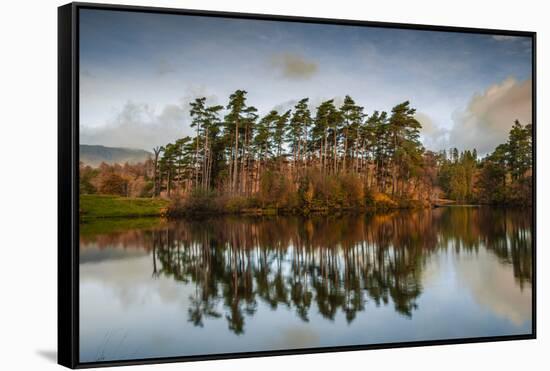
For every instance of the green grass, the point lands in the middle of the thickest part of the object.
(101, 206)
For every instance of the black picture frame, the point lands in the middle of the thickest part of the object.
(68, 191)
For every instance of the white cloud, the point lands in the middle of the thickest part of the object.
(139, 126)
(487, 119)
(433, 137)
(494, 287)
(143, 126)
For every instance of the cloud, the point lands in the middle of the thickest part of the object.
(297, 337)
(494, 286)
(142, 126)
(505, 38)
(293, 66)
(127, 281)
(285, 106)
(137, 125)
(487, 119)
(433, 137)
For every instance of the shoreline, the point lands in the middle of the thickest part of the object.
(117, 208)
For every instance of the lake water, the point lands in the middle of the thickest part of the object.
(153, 288)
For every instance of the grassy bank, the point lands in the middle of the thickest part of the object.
(103, 206)
(203, 203)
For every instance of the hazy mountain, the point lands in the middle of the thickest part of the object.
(94, 155)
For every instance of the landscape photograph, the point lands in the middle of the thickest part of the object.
(263, 185)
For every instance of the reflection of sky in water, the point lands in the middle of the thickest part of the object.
(492, 285)
(125, 313)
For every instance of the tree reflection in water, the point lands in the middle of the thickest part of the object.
(322, 263)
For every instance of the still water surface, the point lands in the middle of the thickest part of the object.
(152, 288)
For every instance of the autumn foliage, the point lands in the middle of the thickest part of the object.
(337, 157)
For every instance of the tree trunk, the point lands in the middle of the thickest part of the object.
(155, 175)
(335, 154)
(169, 181)
(236, 164)
(325, 151)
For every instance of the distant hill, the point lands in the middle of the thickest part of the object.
(94, 155)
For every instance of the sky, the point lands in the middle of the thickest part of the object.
(139, 71)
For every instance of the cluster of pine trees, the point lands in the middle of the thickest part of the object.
(243, 154)
(336, 156)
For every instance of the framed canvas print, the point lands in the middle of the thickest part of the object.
(236, 185)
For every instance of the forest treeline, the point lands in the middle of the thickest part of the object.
(333, 157)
